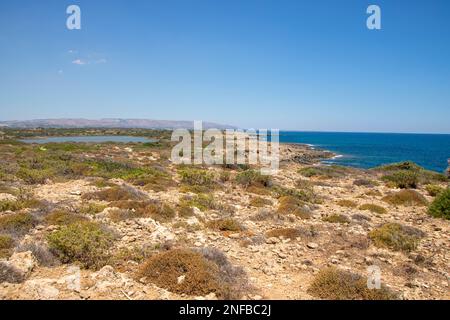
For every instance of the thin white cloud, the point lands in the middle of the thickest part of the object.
(60, 72)
(79, 62)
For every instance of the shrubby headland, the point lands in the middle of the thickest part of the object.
(121, 221)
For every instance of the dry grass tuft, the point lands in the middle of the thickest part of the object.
(192, 272)
(16, 224)
(335, 284)
(114, 194)
(373, 208)
(396, 237)
(225, 224)
(406, 198)
(6, 246)
(260, 202)
(61, 217)
(347, 203)
(336, 218)
(291, 205)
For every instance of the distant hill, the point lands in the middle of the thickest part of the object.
(109, 123)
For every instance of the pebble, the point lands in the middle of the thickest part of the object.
(312, 245)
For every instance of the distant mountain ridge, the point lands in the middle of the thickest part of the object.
(109, 123)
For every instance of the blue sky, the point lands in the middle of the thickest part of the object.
(297, 65)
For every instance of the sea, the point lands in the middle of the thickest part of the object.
(368, 150)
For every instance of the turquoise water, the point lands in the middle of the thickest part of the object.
(93, 139)
(367, 150)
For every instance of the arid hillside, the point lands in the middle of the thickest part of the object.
(120, 221)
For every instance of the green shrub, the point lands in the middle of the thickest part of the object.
(373, 208)
(336, 218)
(226, 224)
(61, 217)
(10, 205)
(185, 210)
(434, 190)
(409, 173)
(91, 208)
(403, 179)
(6, 246)
(440, 207)
(304, 195)
(203, 202)
(292, 205)
(83, 242)
(396, 237)
(347, 203)
(260, 202)
(406, 198)
(197, 177)
(22, 202)
(16, 223)
(324, 172)
(35, 176)
(249, 178)
(335, 284)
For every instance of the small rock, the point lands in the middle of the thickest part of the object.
(312, 245)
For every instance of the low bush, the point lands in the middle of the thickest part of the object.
(254, 178)
(142, 209)
(114, 194)
(184, 210)
(373, 208)
(86, 243)
(408, 174)
(440, 207)
(304, 195)
(286, 233)
(434, 190)
(365, 183)
(6, 246)
(325, 172)
(249, 178)
(197, 177)
(61, 217)
(16, 224)
(406, 197)
(396, 237)
(203, 202)
(260, 202)
(91, 208)
(22, 202)
(190, 272)
(347, 203)
(336, 284)
(336, 218)
(262, 191)
(403, 179)
(225, 224)
(291, 205)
